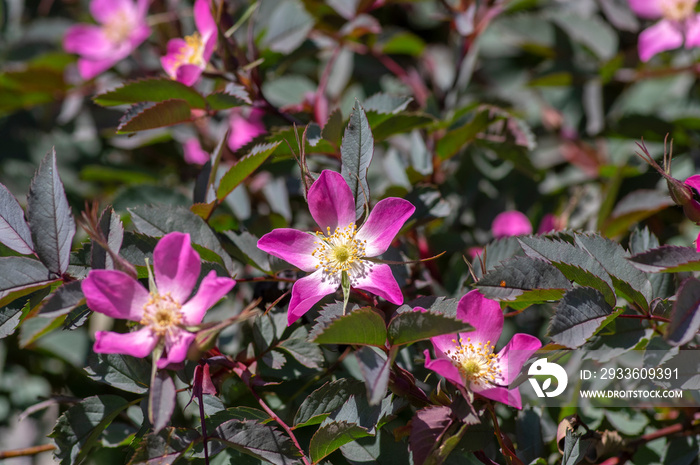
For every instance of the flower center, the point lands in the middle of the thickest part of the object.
(339, 251)
(118, 28)
(162, 314)
(193, 52)
(677, 10)
(476, 362)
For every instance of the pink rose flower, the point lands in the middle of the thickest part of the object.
(194, 154)
(679, 24)
(510, 223)
(244, 130)
(165, 312)
(122, 27)
(187, 58)
(340, 247)
(469, 361)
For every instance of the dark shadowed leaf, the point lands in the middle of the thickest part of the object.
(629, 282)
(577, 449)
(246, 250)
(223, 101)
(150, 90)
(163, 219)
(111, 227)
(164, 447)
(375, 368)
(63, 300)
(259, 440)
(685, 319)
(356, 153)
(357, 410)
(364, 326)
(121, 371)
(633, 208)
(410, 327)
(427, 428)
(137, 247)
(50, 218)
(324, 400)
(331, 436)
(668, 259)
(574, 262)
(10, 317)
(333, 130)
(14, 230)
(580, 313)
(523, 279)
(80, 427)
(642, 240)
(166, 113)
(161, 400)
(244, 168)
(21, 273)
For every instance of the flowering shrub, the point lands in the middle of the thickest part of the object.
(453, 228)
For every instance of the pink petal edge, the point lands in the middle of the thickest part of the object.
(115, 294)
(292, 246)
(384, 222)
(307, 291)
(212, 289)
(137, 344)
(176, 266)
(331, 202)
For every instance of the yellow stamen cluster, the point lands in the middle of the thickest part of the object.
(118, 28)
(339, 251)
(162, 314)
(476, 362)
(193, 52)
(677, 10)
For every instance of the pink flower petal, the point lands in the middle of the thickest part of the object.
(500, 394)
(171, 61)
(384, 222)
(660, 37)
(137, 37)
(483, 314)
(444, 368)
(443, 343)
(514, 355)
(307, 291)
(650, 9)
(188, 74)
(193, 152)
(244, 130)
(176, 347)
(694, 182)
(176, 266)
(511, 223)
(292, 246)
(548, 223)
(88, 69)
(211, 290)
(692, 32)
(331, 202)
(88, 41)
(105, 11)
(379, 280)
(115, 294)
(137, 344)
(203, 18)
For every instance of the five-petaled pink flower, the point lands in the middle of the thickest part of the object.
(468, 359)
(679, 24)
(340, 247)
(187, 58)
(122, 27)
(165, 312)
(244, 129)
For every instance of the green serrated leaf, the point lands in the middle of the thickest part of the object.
(151, 90)
(410, 327)
(580, 314)
(18, 273)
(427, 428)
(324, 400)
(524, 279)
(110, 225)
(634, 208)
(244, 168)
(304, 352)
(356, 153)
(578, 449)
(218, 101)
(79, 428)
(574, 262)
(164, 447)
(667, 259)
(331, 436)
(454, 140)
(50, 218)
(121, 371)
(333, 130)
(161, 400)
(63, 300)
(14, 230)
(364, 326)
(159, 115)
